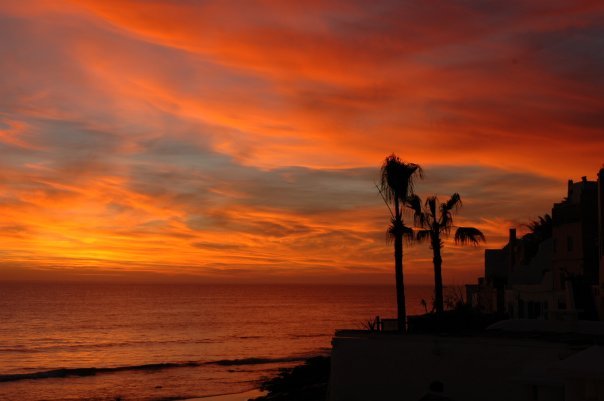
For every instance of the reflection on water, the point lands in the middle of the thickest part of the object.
(75, 341)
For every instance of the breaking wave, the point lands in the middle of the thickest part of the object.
(92, 371)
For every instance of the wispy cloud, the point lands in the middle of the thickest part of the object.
(204, 137)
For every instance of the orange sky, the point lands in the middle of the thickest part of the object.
(241, 140)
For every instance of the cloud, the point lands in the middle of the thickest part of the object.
(247, 137)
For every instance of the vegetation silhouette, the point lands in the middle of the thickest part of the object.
(540, 230)
(438, 224)
(396, 188)
(301, 383)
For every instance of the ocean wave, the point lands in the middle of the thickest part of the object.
(74, 345)
(256, 361)
(309, 335)
(93, 371)
(16, 349)
(83, 372)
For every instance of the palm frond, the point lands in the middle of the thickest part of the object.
(541, 229)
(389, 234)
(423, 235)
(408, 235)
(446, 219)
(414, 171)
(398, 228)
(453, 203)
(469, 235)
(415, 204)
(397, 177)
(431, 205)
(386, 173)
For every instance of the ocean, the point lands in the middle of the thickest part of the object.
(92, 341)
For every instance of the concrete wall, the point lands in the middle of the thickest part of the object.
(601, 235)
(581, 389)
(392, 367)
(567, 261)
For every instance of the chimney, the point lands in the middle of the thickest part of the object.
(512, 235)
(512, 248)
(584, 178)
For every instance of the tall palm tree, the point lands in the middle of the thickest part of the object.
(437, 225)
(396, 187)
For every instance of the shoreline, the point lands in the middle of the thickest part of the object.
(304, 382)
(244, 396)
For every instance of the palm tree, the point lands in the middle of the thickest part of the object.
(396, 188)
(436, 226)
(540, 230)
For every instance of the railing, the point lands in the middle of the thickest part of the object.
(382, 325)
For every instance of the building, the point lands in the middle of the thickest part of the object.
(556, 271)
(531, 360)
(600, 290)
(550, 282)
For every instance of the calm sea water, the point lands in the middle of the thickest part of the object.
(159, 342)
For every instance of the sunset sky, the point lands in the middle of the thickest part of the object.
(240, 141)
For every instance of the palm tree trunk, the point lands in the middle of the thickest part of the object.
(438, 278)
(398, 268)
(400, 287)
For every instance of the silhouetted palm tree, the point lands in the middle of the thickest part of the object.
(396, 187)
(434, 226)
(540, 230)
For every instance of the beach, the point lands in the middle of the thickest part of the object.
(245, 396)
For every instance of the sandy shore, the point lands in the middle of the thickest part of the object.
(231, 397)
(304, 382)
